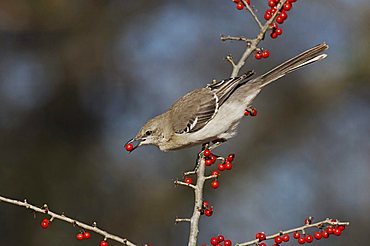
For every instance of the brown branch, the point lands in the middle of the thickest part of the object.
(62, 217)
(301, 228)
(198, 200)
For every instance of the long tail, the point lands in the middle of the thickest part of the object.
(305, 58)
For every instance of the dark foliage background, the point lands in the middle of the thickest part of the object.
(78, 79)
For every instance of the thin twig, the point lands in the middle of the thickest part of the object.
(62, 217)
(301, 228)
(253, 14)
(178, 220)
(177, 182)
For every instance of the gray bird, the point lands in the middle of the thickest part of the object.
(213, 113)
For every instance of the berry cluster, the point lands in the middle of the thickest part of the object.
(282, 16)
(219, 241)
(303, 238)
(206, 209)
(83, 235)
(262, 54)
(252, 112)
(240, 5)
(225, 165)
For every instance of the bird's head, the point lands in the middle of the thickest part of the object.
(150, 133)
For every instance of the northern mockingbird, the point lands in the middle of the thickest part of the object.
(213, 113)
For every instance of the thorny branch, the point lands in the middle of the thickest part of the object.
(45, 210)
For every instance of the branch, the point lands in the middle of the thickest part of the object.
(319, 225)
(45, 210)
(253, 43)
(198, 200)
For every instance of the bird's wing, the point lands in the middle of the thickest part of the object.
(194, 110)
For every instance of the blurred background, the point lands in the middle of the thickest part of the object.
(79, 78)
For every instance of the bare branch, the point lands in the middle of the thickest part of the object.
(178, 220)
(301, 228)
(253, 14)
(62, 217)
(177, 182)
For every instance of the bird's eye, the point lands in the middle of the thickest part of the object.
(148, 133)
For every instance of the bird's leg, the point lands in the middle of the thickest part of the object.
(250, 110)
(217, 143)
(194, 171)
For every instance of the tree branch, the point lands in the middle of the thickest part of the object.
(302, 228)
(62, 217)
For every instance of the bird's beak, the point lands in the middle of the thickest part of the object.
(134, 144)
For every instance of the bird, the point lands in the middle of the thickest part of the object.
(212, 113)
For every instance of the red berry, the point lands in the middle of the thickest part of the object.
(208, 162)
(296, 235)
(284, 15)
(231, 157)
(87, 235)
(208, 212)
(261, 236)
(271, 3)
(329, 230)
(301, 240)
(279, 31)
(278, 240)
(267, 16)
(337, 232)
(265, 54)
(129, 147)
(342, 227)
(213, 158)
(262, 244)
(206, 152)
(248, 2)
(220, 238)
(80, 236)
(205, 204)
(273, 10)
(240, 6)
(228, 165)
(258, 235)
(317, 235)
(221, 167)
(227, 243)
(254, 112)
(215, 173)
(246, 113)
(274, 25)
(103, 243)
(308, 239)
(279, 19)
(188, 180)
(287, 6)
(273, 35)
(215, 184)
(286, 238)
(325, 234)
(45, 223)
(258, 55)
(214, 241)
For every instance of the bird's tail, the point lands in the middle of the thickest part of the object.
(305, 58)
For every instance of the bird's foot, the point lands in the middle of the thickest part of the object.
(250, 110)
